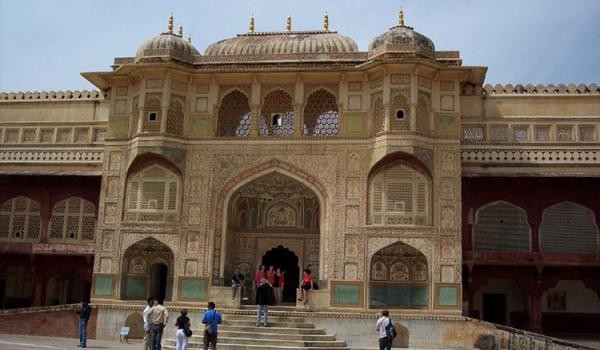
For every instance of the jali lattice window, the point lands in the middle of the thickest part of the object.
(152, 195)
(568, 227)
(400, 196)
(20, 219)
(423, 112)
(377, 113)
(400, 103)
(321, 117)
(175, 118)
(501, 226)
(234, 117)
(277, 114)
(73, 219)
(151, 118)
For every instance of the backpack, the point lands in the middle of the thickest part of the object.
(390, 330)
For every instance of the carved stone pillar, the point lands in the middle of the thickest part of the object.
(255, 123)
(298, 121)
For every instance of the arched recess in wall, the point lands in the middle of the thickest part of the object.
(234, 117)
(423, 113)
(400, 119)
(20, 219)
(277, 114)
(321, 116)
(153, 192)
(175, 117)
(73, 218)
(400, 192)
(568, 227)
(377, 113)
(398, 278)
(152, 115)
(147, 270)
(501, 226)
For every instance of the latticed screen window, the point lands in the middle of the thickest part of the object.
(175, 118)
(73, 219)
(400, 196)
(20, 219)
(278, 107)
(377, 113)
(473, 133)
(520, 133)
(234, 117)
(152, 195)
(587, 133)
(321, 114)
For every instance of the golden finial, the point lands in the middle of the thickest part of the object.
(180, 32)
(288, 27)
(251, 25)
(189, 40)
(401, 17)
(170, 27)
(326, 22)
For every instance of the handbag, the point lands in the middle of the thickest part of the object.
(208, 327)
(186, 330)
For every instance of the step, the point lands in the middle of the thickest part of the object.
(257, 347)
(277, 330)
(304, 337)
(272, 316)
(265, 342)
(272, 323)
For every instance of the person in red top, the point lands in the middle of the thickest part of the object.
(260, 275)
(271, 275)
(278, 287)
(307, 285)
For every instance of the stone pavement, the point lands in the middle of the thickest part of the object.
(23, 342)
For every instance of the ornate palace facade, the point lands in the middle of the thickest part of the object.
(393, 174)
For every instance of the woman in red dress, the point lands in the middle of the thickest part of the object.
(307, 285)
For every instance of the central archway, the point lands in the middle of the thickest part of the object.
(287, 261)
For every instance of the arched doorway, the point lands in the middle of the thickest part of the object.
(287, 261)
(147, 271)
(398, 278)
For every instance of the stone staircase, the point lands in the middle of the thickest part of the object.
(239, 332)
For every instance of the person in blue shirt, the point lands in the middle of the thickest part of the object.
(211, 320)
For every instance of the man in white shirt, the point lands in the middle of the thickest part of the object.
(385, 343)
(158, 317)
(147, 335)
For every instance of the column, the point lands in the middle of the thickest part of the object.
(535, 236)
(536, 311)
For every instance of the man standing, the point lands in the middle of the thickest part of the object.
(237, 281)
(385, 343)
(147, 336)
(159, 315)
(262, 299)
(211, 319)
(84, 316)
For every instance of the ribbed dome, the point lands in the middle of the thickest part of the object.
(402, 39)
(166, 45)
(309, 42)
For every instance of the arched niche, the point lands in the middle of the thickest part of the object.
(501, 226)
(568, 227)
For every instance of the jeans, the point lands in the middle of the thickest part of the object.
(147, 339)
(262, 309)
(182, 340)
(157, 332)
(82, 333)
(385, 344)
(234, 288)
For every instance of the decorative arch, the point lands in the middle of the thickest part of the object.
(568, 227)
(501, 226)
(377, 114)
(247, 176)
(400, 103)
(234, 117)
(152, 106)
(175, 117)
(400, 288)
(277, 114)
(153, 194)
(73, 218)
(281, 214)
(400, 193)
(20, 219)
(321, 116)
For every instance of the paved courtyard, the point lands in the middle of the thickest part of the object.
(22, 342)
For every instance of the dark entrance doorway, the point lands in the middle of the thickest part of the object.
(158, 281)
(287, 261)
(494, 308)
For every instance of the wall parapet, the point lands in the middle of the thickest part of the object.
(68, 95)
(541, 89)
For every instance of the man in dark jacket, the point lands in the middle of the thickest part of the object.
(84, 316)
(263, 293)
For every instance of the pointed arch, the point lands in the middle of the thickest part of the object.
(569, 227)
(501, 226)
(321, 116)
(277, 114)
(73, 218)
(175, 117)
(20, 219)
(234, 117)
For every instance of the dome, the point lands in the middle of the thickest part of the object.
(402, 39)
(299, 42)
(166, 45)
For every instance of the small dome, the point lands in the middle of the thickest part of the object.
(402, 39)
(166, 45)
(299, 42)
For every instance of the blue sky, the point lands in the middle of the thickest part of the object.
(45, 44)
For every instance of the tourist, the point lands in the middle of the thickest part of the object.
(159, 315)
(385, 343)
(237, 281)
(183, 330)
(306, 286)
(84, 317)
(278, 286)
(271, 275)
(211, 321)
(263, 293)
(260, 275)
(147, 336)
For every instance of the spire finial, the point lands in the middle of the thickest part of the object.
(288, 27)
(251, 25)
(170, 26)
(401, 17)
(180, 32)
(189, 39)
(326, 22)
